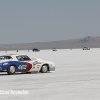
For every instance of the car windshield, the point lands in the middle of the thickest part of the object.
(5, 57)
(23, 58)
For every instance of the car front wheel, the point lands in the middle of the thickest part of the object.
(44, 69)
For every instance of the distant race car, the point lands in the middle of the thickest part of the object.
(54, 49)
(35, 50)
(22, 63)
(86, 48)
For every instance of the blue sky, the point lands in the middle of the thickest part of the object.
(27, 21)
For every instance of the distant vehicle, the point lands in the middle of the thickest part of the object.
(86, 48)
(35, 50)
(22, 63)
(54, 49)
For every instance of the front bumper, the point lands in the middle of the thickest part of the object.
(52, 68)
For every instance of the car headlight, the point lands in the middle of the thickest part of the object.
(50, 65)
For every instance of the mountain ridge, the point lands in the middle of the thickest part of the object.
(88, 41)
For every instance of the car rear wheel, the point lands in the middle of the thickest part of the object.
(44, 69)
(11, 70)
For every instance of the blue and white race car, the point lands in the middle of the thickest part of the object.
(12, 63)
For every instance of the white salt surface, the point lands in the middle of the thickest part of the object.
(77, 77)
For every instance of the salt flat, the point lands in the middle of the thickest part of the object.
(77, 77)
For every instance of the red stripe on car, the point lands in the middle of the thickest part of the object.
(28, 68)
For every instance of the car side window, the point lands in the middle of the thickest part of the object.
(23, 58)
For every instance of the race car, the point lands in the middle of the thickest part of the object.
(12, 63)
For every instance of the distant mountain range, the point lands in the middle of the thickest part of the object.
(89, 41)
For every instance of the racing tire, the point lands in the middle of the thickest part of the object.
(11, 70)
(44, 69)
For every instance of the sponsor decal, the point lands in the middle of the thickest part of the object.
(33, 67)
(36, 62)
(21, 67)
(38, 65)
(34, 58)
(5, 63)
